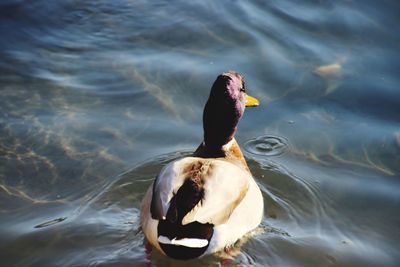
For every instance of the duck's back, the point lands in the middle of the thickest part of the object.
(194, 200)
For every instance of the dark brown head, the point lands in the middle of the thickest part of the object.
(224, 108)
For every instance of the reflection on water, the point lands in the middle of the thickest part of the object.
(90, 89)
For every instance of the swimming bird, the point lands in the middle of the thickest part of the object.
(205, 202)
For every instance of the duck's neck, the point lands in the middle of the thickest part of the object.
(204, 151)
(215, 143)
(207, 151)
(215, 140)
(219, 124)
(230, 151)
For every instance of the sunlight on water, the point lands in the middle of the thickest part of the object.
(97, 96)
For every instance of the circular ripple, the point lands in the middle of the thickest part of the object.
(267, 145)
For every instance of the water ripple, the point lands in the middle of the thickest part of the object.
(267, 145)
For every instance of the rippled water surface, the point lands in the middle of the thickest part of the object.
(96, 96)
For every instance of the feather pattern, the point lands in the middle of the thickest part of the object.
(224, 184)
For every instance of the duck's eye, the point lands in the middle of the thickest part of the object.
(243, 89)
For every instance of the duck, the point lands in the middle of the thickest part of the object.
(205, 202)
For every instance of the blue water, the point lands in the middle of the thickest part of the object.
(96, 96)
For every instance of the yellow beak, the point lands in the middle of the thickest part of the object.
(251, 101)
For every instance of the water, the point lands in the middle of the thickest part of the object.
(96, 96)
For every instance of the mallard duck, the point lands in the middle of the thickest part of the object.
(205, 202)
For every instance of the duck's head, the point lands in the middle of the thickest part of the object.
(224, 108)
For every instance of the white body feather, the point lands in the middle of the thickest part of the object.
(232, 202)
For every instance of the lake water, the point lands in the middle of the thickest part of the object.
(96, 96)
